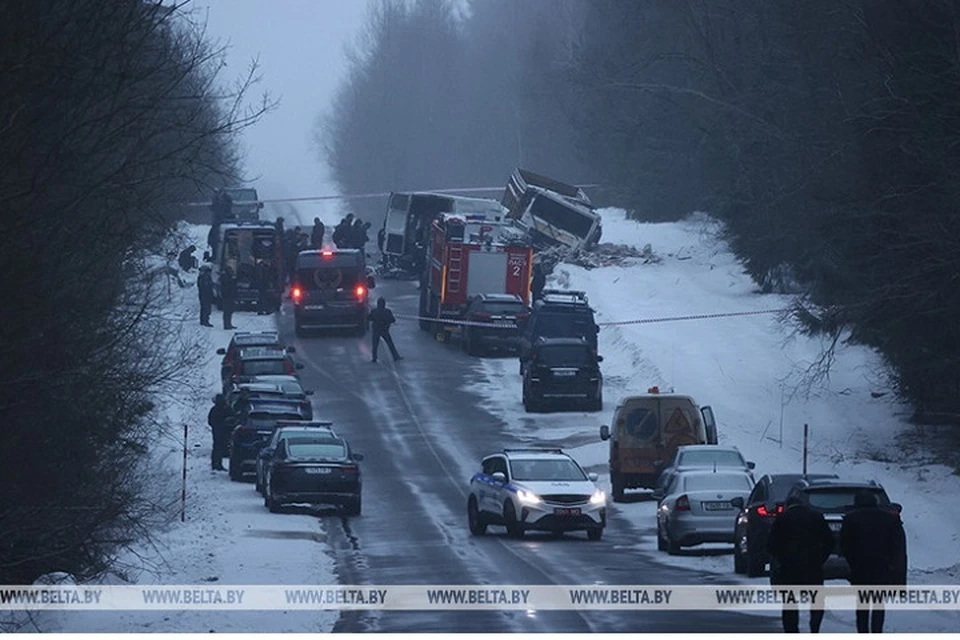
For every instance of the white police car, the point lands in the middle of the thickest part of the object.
(535, 489)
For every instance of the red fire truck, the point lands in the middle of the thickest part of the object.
(468, 255)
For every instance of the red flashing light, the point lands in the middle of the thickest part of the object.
(327, 254)
(683, 503)
(296, 293)
(653, 390)
(360, 291)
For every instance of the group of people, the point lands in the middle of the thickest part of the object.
(351, 233)
(872, 540)
(228, 295)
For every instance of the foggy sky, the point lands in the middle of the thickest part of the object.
(300, 45)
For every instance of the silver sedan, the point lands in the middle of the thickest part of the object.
(696, 508)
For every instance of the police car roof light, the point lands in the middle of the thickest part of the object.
(533, 450)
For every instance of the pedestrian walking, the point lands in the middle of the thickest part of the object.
(205, 292)
(380, 320)
(874, 543)
(316, 236)
(228, 296)
(800, 541)
(218, 418)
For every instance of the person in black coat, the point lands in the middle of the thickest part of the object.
(228, 296)
(188, 261)
(205, 291)
(380, 320)
(799, 543)
(874, 543)
(341, 233)
(222, 209)
(219, 425)
(316, 236)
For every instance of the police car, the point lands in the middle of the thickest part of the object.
(535, 489)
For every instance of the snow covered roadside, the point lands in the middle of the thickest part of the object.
(229, 537)
(751, 370)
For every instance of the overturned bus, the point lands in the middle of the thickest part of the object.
(553, 212)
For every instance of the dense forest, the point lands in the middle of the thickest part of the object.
(823, 133)
(109, 113)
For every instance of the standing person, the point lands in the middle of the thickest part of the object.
(358, 234)
(222, 209)
(799, 543)
(538, 282)
(217, 419)
(380, 320)
(188, 262)
(290, 250)
(341, 233)
(873, 542)
(228, 296)
(316, 236)
(281, 234)
(264, 281)
(205, 291)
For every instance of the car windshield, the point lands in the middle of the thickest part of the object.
(545, 470)
(717, 481)
(502, 307)
(264, 367)
(702, 458)
(564, 325)
(316, 448)
(838, 498)
(573, 355)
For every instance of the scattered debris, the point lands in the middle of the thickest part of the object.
(603, 255)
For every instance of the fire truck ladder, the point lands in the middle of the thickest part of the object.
(455, 268)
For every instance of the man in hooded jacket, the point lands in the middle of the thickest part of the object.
(380, 320)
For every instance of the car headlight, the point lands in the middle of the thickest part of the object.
(598, 498)
(528, 497)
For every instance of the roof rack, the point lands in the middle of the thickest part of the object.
(304, 423)
(565, 292)
(533, 450)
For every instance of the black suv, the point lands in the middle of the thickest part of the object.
(503, 312)
(756, 517)
(254, 429)
(562, 369)
(559, 314)
(833, 498)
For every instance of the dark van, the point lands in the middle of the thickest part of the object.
(331, 290)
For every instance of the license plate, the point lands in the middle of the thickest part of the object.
(313, 307)
(717, 506)
(564, 374)
(315, 470)
(835, 526)
(566, 511)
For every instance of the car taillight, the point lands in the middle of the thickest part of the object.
(360, 291)
(351, 469)
(763, 512)
(296, 293)
(683, 503)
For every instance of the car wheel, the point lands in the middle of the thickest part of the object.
(354, 507)
(514, 528)
(616, 486)
(754, 563)
(673, 547)
(594, 534)
(661, 541)
(259, 485)
(477, 526)
(235, 465)
(597, 405)
(272, 504)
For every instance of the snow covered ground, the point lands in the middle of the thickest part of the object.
(753, 371)
(228, 538)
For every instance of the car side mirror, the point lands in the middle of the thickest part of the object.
(291, 349)
(605, 432)
(499, 476)
(599, 358)
(357, 456)
(213, 399)
(896, 506)
(221, 351)
(737, 502)
(299, 365)
(309, 392)
(371, 283)
(593, 477)
(751, 465)
(596, 329)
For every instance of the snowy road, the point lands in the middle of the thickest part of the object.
(422, 435)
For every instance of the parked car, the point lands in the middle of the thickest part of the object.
(253, 431)
(257, 361)
(562, 371)
(313, 468)
(245, 339)
(331, 290)
(703, 456)
(646, 431)
(697, 508)
(290, 384)
(530, 489)
(286, 429)
(558, 314)
(271, 391)
(834, 497)
(756, 517)
(503, 312)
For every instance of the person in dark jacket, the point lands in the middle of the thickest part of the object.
(218, 419)
(357, 235)
(874, 543)
(265, 277)
(205, 292)
(341, 233)
(222, 209)
(290, 239)
(380, 320)
(316, 236)
(538, 282)
(188, 261)
(799, 543)
(228, 296)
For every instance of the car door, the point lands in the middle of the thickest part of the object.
(497, 491)
(481, 486)
(709, 424)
